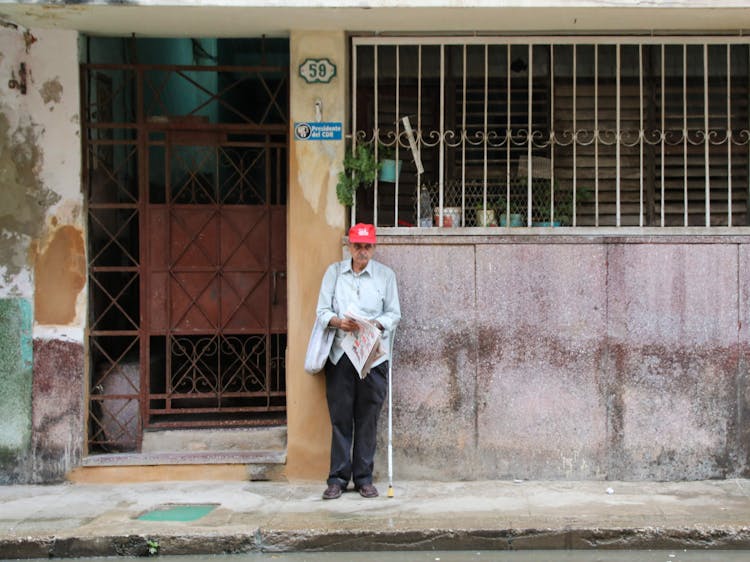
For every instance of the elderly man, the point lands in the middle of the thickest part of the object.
(368, 288)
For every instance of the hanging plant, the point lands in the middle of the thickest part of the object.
(360, 169)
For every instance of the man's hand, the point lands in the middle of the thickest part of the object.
(345, 324)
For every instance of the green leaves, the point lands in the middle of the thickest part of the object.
(360, 168)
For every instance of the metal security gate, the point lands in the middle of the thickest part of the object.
(186, 178)
(215, 306)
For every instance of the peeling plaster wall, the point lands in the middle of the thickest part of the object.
(42, 256)
(60, 271)
(577, 359)
(316, 222)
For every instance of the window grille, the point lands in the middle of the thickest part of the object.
(568, 131)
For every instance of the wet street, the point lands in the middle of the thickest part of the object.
(460, 556)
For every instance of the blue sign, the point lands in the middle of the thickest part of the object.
(318, 130)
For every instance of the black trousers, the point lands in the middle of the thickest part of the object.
(354, 405)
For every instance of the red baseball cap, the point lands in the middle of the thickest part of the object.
(362, 233)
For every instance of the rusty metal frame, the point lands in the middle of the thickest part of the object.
(119, 146)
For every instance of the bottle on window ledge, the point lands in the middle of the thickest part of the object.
(425, 207)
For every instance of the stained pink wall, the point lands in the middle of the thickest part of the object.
(567, 358)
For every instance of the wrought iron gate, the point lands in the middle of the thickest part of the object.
(187, 248)
(215, 301)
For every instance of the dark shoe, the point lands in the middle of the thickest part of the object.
(333, 491)
(368, 491)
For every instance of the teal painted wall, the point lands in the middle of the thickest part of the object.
(15, 385)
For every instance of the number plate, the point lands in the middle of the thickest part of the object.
(317, 70)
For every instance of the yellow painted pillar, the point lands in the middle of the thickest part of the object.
(316, 224)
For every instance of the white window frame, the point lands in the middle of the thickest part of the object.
(733, 135)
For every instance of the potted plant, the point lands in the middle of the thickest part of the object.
(563, 203)
(488, 216)
(510, 212)
(360, 168)
(564, 206)
(390, 168)
(542, 204)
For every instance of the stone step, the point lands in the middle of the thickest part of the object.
(198, 457)
(237, 440)
(259, 465)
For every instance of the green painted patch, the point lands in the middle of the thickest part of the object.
(16, 357)
(177, 512)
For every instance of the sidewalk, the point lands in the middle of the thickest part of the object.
(72, 520)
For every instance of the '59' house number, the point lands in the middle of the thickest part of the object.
(317, 70)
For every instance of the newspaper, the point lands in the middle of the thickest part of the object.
(363, 346)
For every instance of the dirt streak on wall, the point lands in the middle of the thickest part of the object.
(24, 200)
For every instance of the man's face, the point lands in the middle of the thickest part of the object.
(361, 255)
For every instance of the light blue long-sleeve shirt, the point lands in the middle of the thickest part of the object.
(372, 293)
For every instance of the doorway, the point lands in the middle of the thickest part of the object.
(185, 165)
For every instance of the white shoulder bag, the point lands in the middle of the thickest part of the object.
(321, 340)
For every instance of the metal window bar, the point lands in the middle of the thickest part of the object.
(529, 130)
(463, 119)
(419, 108)
(507, 139)
(706, 146)
(684, 136)
(618, 136)
(376, 99)
(485, 132)
(552, 136)
(627, 164)
(441, 152)
(661, 135)
(640, 135)
(395, 140)
(729, 135)
(596, 135)
(355, 97)
(575, 131)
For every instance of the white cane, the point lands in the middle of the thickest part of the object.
(390, 416)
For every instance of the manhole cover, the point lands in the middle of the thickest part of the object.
(172, 512)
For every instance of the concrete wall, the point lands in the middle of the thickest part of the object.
(568, 358)
(42, 258)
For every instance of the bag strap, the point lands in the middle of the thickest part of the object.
(335, 285)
